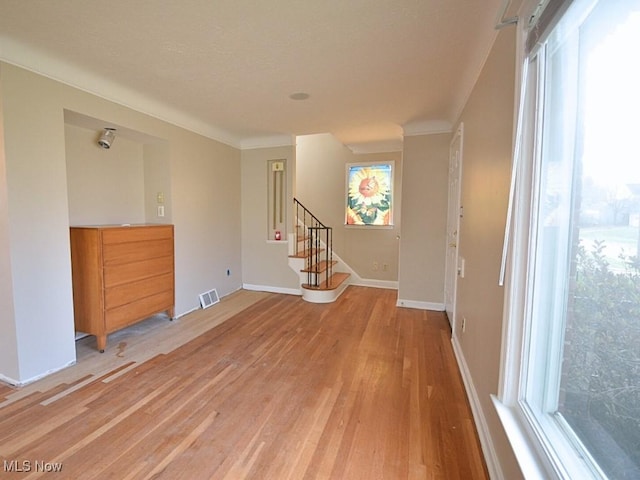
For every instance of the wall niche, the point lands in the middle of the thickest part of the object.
(128, 183)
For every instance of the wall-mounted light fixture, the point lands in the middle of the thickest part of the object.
(107, 137)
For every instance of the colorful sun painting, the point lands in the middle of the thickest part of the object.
(369, 194)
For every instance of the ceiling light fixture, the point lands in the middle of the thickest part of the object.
(107, 137)
(299, 96)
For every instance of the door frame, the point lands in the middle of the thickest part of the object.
(454, 213)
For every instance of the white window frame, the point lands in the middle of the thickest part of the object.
(544, 445)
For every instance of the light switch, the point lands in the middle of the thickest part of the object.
(161, 210)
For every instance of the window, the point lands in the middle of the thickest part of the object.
(571, 362)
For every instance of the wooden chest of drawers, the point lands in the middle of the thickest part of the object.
(121, 275)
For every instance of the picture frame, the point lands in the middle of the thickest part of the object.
(369, 194)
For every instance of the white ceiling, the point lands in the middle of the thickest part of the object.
(226, 68)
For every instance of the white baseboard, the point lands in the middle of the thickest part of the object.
(357, 280)
(490, 456)
(438, 307)
(18, 383)
(372, 282)
(9, 381)
(294, 291)
(177, 317)
(271, 289)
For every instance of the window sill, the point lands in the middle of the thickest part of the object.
(535, 463)
(528, 459)
(370, 227)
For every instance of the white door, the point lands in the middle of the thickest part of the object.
(453, 225)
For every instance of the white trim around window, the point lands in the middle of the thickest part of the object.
(527, 402)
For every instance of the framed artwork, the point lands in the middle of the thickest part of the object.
(370, 194)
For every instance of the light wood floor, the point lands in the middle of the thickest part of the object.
(260, 386)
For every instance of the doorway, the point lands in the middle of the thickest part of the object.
(453, 225)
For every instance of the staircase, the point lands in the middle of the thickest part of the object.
(313, 259)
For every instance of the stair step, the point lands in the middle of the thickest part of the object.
(319, 267)
(307, 253)
(334, 282)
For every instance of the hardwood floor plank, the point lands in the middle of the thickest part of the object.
(268, 387)
(181, 447)
(156, 418)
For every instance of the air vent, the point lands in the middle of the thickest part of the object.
(209, 298)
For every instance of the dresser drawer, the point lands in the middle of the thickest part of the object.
(130, 292)
(136, 233)
(132, 272)
(119, 253)
(119, 317)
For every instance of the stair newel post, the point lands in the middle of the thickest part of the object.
(305, 222)
(308, 259)
(314, 254)
(324, 238)
(298, 227)
(329, 253)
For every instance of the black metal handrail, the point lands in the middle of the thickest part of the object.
(317, 243)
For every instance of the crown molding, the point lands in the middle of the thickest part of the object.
(427, 127)
(268, 141)
(382, 146)
(35, 61)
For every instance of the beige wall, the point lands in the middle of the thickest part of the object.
(38, 222)
(8, 339)
(157, 179)
(424, 200)
(205, 200)
(104, 186)
(320, 186)
(264, 261)
(487, 149)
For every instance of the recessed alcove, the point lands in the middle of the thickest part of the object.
(129, 183)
